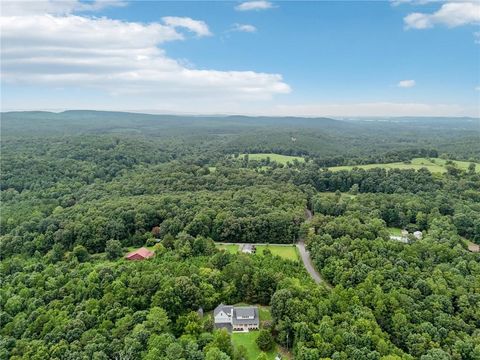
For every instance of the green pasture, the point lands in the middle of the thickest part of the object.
(434, 165)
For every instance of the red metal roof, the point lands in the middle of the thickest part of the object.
(140, 254)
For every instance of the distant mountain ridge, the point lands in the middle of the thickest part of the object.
(240, 133)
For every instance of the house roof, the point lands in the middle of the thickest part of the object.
(222, 307)
(245, 311)
(142, 252)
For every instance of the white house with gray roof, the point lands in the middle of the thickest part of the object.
(236, 318)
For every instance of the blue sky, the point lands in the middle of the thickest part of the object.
(317, 58)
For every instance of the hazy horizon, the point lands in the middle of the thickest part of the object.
(324, 58)
(159, 112)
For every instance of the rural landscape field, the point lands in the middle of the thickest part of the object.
(240, 180)
(314, 246)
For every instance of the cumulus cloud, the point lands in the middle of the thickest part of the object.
(198, 27)
(244, 28)
(406, 83)
(55, 7)
(254, 5)
(450, 14)
(119, 57)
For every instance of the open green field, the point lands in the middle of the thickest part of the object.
(232, 249)
(434, 165)
(395, 231)
(248, 340)
(281, 159)
(286, 252)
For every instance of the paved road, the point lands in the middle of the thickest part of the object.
(307, 262)
(304, 254)
(308, 215)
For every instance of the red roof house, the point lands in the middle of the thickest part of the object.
(140, 254)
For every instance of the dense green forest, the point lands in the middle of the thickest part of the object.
(80, 188)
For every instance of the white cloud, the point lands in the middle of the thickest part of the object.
(254, 5)
(420, 2)
(406, 83)
(118, 57)
(244, 28)
(55, 7)
(200, 28)
(477, 88)
(476, 36)
(450, 14)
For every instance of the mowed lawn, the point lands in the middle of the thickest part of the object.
(394, 231)
(286, 252)
(434, 165)
(281, 159)
(248, 340)
(232, 249)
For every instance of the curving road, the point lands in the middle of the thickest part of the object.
(307, 260)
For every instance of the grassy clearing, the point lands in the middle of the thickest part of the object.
(395, 231)
(434, 165)
(265, 314)
(248, 340)
(281, 159)
(232, 249)
(286, 252)
(460, 164)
